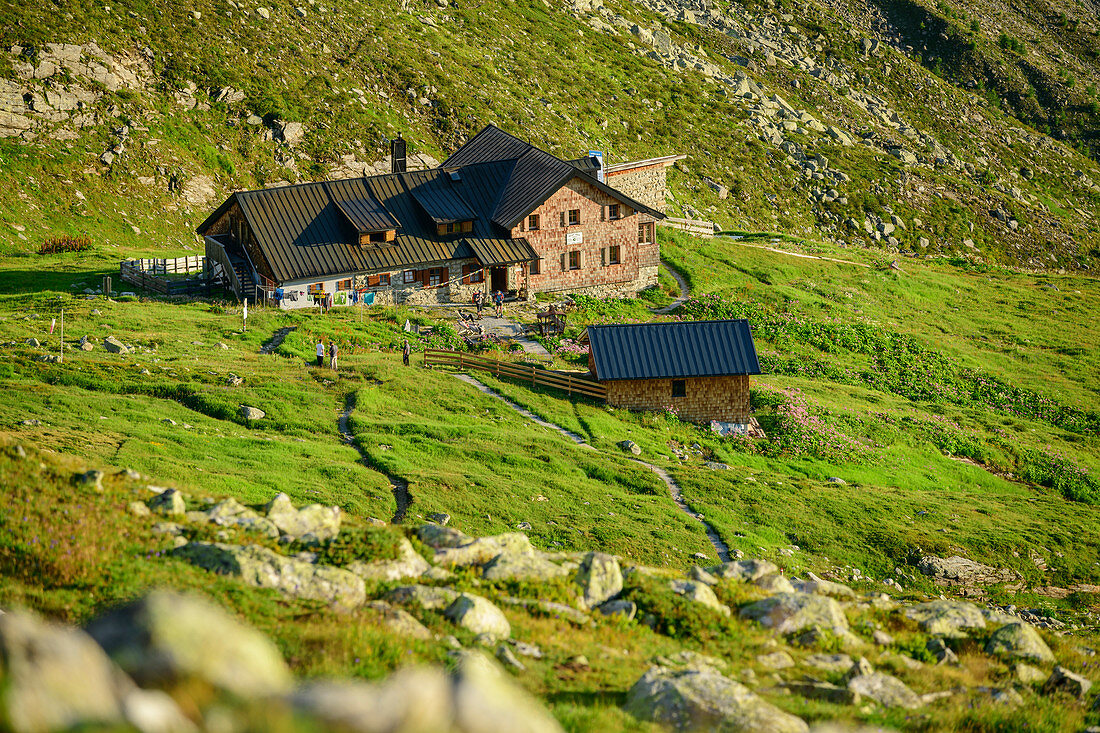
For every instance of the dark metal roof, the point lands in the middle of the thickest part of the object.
(490, 252)
(311, 230)
(673, 350)
(439, 199)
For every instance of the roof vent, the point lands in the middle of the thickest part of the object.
(397, 155)
(456, 176)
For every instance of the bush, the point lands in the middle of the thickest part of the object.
(64, 243)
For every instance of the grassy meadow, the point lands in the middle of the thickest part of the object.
(955, 403)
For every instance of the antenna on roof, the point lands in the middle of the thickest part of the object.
(398, 161)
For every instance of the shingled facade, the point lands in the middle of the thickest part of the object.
(499, 214)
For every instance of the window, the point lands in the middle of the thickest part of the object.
(613, 211)
(316, 288)
(408, 276)
(343, 284)
(645, 233)
(533, 222)
(679, 387)
(534, 267)
(613, 255)
(575, 260)
(574, 216)
(472, 274)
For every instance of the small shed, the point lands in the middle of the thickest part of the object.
(698, 369)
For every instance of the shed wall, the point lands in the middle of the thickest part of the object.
(725, 399)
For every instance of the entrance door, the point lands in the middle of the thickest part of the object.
(498, 279)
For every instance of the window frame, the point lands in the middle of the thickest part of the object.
(570, 220)
(679, 386)
(574, 259)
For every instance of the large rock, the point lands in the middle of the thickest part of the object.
(743, 570)
(790, 613)
(115, 346)
(409, 564)
(58, 678)
(1061, 680)
(424, 596)
(885, 690)
(310, 524)
(1019, 641)
(522, 566)
(479, 616)
(952, 619)
(600, 579)
(480, 550)
(168, 638)
(232, 513)
(699, 593)
(698, 697)
(265, 568)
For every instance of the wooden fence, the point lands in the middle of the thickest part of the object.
(151, 275)
(693, 226)
(526, 372)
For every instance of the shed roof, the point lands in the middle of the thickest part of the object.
(673, 350)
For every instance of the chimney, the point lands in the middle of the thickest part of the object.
(397, 154)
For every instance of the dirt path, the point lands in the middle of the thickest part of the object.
(684, 291)
(399, 485)
(673, 488)
(276, 340)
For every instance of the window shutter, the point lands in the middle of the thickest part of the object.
(563, 218)
(603, 257)
(563, 256)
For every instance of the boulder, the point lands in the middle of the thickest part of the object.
(699, 697)
(252, 413)
(478, 615)
(774, 583)
(525, 567)
(1019, 641)
(58, 678)
(624, 609)
(480, 550)
(168, 503)
(115, 346)
(743, 570)
(951, 619)
(1061, 680)
(424, 596)
(699, 593)
(409, 564)
(401, 622)
(885, 690)
(167, 639)
(600, 579)
(265, 568)
(310, 524)
(789, 613)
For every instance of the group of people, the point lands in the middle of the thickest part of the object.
(497, 299)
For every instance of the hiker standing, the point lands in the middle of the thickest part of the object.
(498, 299)
(479, 302)
(320, 352)
(405, 351)
(332, 351)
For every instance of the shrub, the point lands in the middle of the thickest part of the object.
(64, 243)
